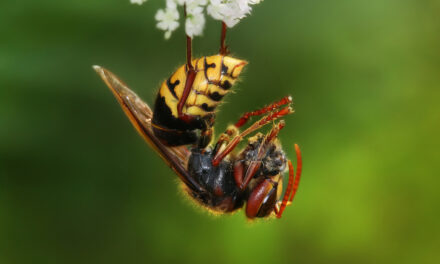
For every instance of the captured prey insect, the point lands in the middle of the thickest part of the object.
(180, 129)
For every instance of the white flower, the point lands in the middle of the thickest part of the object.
(195, 2)
(228, 11)
(194, 24)
(234, 12)
(168, 18)
(138, 2)
(243, 4)
(195, 6)
(171, 4)
(216, 9)
(195, 18)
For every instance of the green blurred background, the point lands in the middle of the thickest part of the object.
(78, 185)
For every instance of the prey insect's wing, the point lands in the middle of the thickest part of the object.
(140, 115)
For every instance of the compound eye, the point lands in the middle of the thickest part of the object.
(261, 201)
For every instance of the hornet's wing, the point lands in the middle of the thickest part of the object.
(140, 115)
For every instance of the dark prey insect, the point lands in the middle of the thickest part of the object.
(180, 129)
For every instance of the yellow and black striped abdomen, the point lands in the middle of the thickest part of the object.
(214, 78)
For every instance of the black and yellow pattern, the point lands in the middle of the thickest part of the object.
(214, 78)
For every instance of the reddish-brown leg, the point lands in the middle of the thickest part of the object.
(238, 173)
(225, 137)
(219, 156)
(190, 76)
(262, 111)
(223, 48)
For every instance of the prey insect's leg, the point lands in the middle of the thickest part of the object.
(224, 50)
(190, 76)
(292, 185)
(245, 117)
(256, 162)
(219, 156)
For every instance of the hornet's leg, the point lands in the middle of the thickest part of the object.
(225, 137)
(190, 76)
(224, 50)
(233, 130)
(219, 156)
(262, 111)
